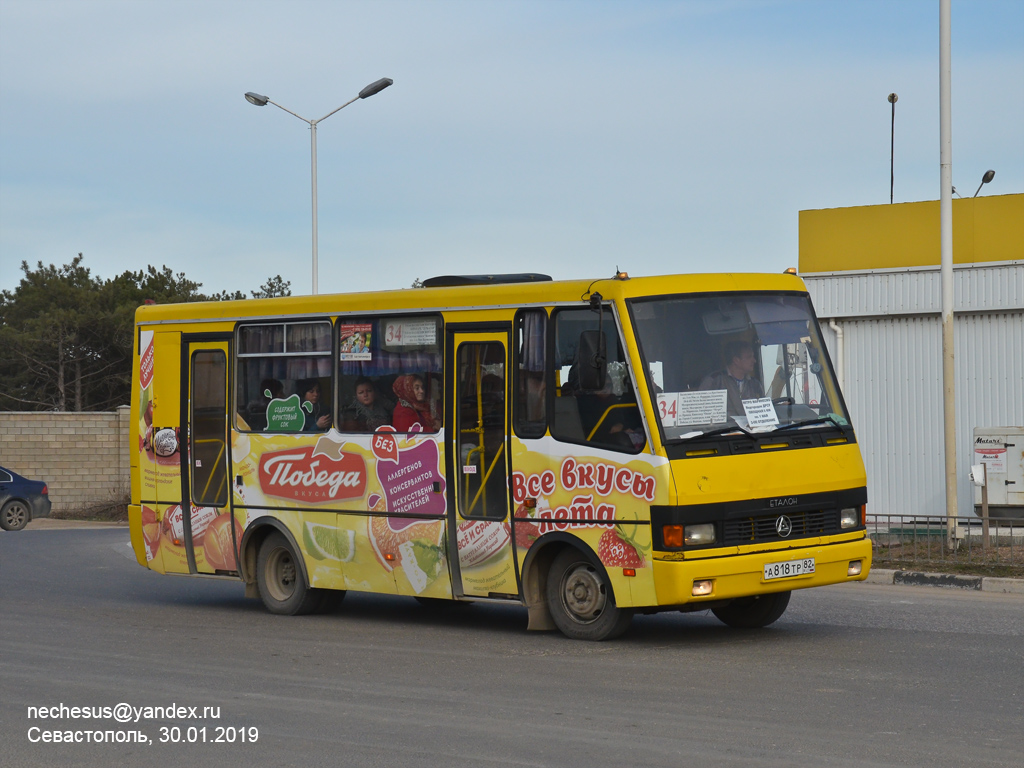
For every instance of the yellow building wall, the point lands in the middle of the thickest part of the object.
(985, 229)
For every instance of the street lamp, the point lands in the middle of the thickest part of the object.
(989, 175)
(262, 101)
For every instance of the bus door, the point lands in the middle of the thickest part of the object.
(209, 541)
(479, 531)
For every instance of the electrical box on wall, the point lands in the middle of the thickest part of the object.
(1001, 450)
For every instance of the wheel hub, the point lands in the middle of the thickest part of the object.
(582, 594)
(287, 573)
(15, 515)
(283, 574)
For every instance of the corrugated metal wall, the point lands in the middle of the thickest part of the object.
(992, 287)
(893, 372)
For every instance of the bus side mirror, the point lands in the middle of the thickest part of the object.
(592, 361)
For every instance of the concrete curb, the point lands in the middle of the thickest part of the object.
(1010, 586)
(55, 524)
(947, 580)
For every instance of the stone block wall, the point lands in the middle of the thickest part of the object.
(82, 457)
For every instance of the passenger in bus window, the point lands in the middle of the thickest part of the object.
(737, 378)
(413, 406)
(317, 417)
(369, 410)
(274, 387)
(256, 410)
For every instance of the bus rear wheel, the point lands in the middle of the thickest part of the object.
(279, 576)
(581, 600)
(753, 612)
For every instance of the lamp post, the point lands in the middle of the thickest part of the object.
(989, 175)
(262, 101)
(946, 268)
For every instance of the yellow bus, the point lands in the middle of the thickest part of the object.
(589, 449)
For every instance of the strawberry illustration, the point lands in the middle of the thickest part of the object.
(527, 532)
(618, 552)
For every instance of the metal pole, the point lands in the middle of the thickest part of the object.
(312, 129)
(986, 540)
(946, 244)
(312, 133)
(261, 101)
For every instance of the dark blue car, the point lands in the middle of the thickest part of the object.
(21, 500)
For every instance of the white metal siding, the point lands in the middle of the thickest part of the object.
(867, 294)
(893, 374)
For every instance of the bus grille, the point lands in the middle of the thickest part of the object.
(752, 530)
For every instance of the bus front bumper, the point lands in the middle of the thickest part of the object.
(734, 576)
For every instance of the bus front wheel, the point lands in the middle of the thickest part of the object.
(279, 575)
(753, 612)
(581, 600)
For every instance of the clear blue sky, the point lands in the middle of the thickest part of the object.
(563, 137)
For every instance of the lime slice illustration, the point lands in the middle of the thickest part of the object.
(326, 543)
(422, 563)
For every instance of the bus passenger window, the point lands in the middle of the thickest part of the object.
(390, 373)
(607, 416)
(284, 377)
(530, 373)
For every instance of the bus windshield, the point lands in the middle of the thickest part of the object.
(719, 364)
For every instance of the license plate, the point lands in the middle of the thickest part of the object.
(788, 568)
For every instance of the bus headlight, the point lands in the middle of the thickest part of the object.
(699, 535)
(849, 518)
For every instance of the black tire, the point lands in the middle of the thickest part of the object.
(753, 612)
(15, 515)
(581, 600)
(282, 586)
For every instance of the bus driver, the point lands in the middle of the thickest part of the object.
(737, 378)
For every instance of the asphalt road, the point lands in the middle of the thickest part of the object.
(857, 675)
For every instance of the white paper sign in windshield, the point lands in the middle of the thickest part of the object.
(410, 333)
(705, 407)
(761, 416)
(702, 407)
(668, 408)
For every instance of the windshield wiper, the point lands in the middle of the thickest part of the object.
(714, 432)
(810, 422)
(844, 428)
